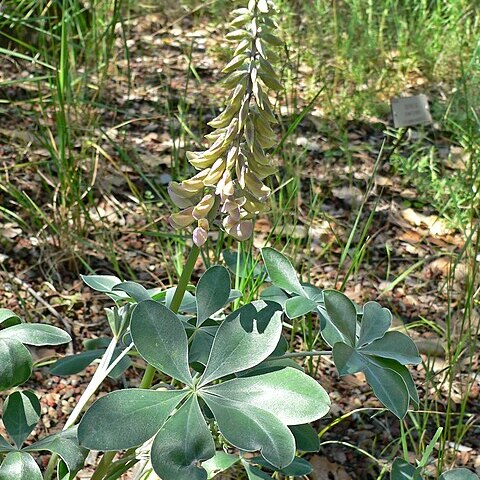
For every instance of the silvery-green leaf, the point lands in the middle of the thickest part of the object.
(389, 387)
(183, 442)
(8, 317)
(133, 290)
(306, 438)
(220, 462)
(126, 418)
(376, 321)
(341, 319)
(281, 271)
(213, 291)
(245, 338)
(253, 429)
(37, 334)
(19, 466)
(15, 363)
(458, 474)
(289, 394)
(347, 359)
(402, 470)
(21, 412)
(298, 306)
(160, 338)
(394, 345)
(65, 445)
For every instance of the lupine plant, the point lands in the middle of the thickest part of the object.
(220, 387)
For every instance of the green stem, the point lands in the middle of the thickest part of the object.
(103, 466)
(149, 374)
(312, 353)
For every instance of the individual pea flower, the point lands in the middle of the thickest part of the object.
(233, 167)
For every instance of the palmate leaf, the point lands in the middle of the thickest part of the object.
(289, 394)
(253, 429)
(245, 338)
(15, 363)
(8, 317)
(19, 466)
(376, 321)
(36, 334)
(161, 340)
(183, 441)
(298, 306)
(126, 418)
(65, 445)
(391, 382)
(251, 411)
(21, 412)
(281, 271)
(220, 462)
(394, 345)
(213, 292)
(5, 447)
(306, 438)
(341, 319)
(402, 470)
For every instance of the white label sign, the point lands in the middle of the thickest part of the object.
(410, 111)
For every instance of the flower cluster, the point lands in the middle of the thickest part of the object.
(233, 167)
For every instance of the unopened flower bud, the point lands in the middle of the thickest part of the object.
(182, 219)
(200, 236)
(202, 209)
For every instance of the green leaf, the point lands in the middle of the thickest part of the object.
(402, 371)
(133, 290)
(65, 445)
(73, 364)
(389, 388)
(254, 473)
(9, 317)
(15, 363)
(274, 294)
(376, 321)
(458, 474)
(341, 318)
(245, 338)
(298, 306)
(289, 394)
(21, 413)
(213, 291)
(220, 462)
(281, 271)
(306, 438)
(101, 283)
(188, 305)
(160, 338)
(36, 334)
(19, 466)
(5, 446)
(298, 468)
(253, 429)
(347, 359)
(200, 345)
(126, 418)
(394, 345)
(402, 470)
(183, 441)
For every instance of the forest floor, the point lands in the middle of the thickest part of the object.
(413, 260)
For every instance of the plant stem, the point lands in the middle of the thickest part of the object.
(103, 369)
(175, 305)
(103, 466)
(312, 353)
